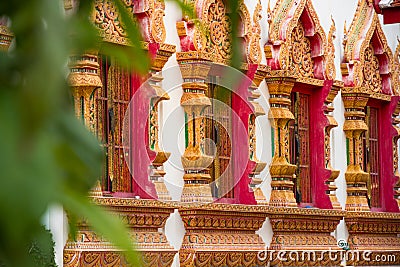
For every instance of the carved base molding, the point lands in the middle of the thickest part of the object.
(376, 234)
(221, 235)
(113, 258)
(302, 231)
(144, 219)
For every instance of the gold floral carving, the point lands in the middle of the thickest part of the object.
(282, 45)
(212, 33)
(371, 76)
(300, 60)
(219, 41)
(361, 64)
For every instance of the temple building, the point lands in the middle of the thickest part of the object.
(291, 159)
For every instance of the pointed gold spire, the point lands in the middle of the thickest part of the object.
(345, 33)
(269, 14)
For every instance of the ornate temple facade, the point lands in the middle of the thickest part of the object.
(289, 160)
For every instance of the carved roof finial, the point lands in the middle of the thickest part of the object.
(398, 40)
(330, 70)
(345, 34)
(269, 15)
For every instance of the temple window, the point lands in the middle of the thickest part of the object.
(299, 139)
(218, 135)
(112, 102)
(371, 155)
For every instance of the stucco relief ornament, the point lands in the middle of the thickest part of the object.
(106, 17)
(372, 77)
(157, 26)
(330, 70)
(254, 48)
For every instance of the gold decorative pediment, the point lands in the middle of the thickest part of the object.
(296, 39)
(211, 31)
(368, 60)
(107, 19)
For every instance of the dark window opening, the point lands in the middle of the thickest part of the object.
(299, 140)
(218, 131)
(112, 101)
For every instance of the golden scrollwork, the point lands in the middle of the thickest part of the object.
(286, 35)
(219, 41)
(371, 76)
(254, 49)
(300, 60)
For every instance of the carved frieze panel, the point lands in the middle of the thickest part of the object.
(222, 235)
(374, 232)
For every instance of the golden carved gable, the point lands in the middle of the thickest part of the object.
(107, 19)
(296, 39)
(211, 32)
(368, 59)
